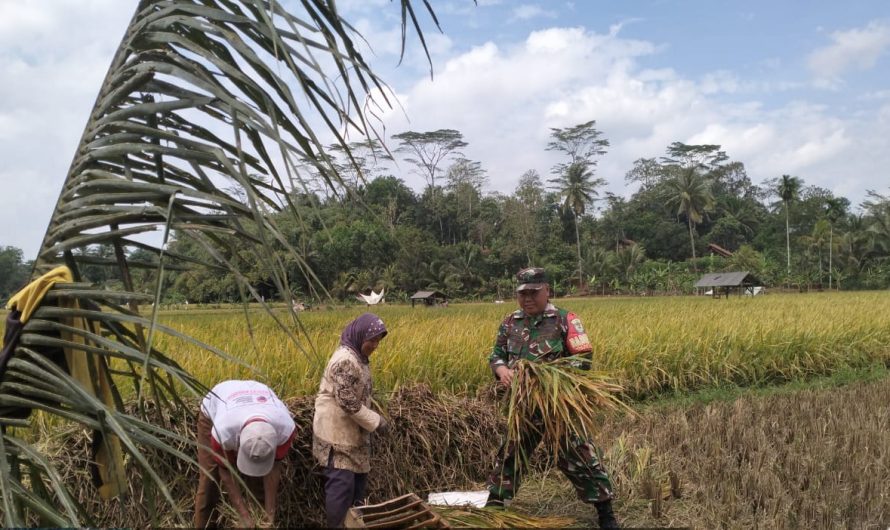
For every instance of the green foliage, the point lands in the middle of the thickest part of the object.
(468, 242)
(13, 271)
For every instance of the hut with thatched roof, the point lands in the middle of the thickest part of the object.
(429, 298)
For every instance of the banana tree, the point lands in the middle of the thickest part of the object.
(200, 128)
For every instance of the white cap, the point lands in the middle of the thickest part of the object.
(256, 450)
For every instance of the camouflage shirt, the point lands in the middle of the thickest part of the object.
(553, 334)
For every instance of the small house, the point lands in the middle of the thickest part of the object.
(429, 298)
(723, 283)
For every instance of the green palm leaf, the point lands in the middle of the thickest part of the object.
(206, 114)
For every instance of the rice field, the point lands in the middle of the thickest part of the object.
(650, 345)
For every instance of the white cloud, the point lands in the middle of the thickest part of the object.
(858, 48)
(506, 97)
(52, 62)
(530, 12)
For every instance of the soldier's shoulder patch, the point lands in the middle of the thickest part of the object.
(575, 322)
(576, 337)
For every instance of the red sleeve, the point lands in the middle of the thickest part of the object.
(218, 452)
(576, 338)
(282, 449)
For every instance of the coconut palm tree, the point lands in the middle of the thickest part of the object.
(199, 126)
(578, 188)
(788, 189)
(689, 193)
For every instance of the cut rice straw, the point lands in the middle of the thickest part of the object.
(558, 401)
(471, 517)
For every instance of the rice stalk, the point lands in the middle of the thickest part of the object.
(558, 402)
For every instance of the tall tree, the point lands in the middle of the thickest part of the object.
(575, 179)
(788, 189)
(582, 143)
(878, 207)
(835, 209)
(578, 188)
(646, 171)
(521, 211)
(13, 271)
(427, 151)
(689, 193)
(705, 156)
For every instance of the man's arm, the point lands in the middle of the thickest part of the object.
(270, 491)
(499, 358)
(234, 492)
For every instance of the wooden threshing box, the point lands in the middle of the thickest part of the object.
(404, 512)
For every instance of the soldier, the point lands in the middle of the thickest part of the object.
(538, 330)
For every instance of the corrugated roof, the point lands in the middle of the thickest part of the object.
(427, 294)
(727, 279)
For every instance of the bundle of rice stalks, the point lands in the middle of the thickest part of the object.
(436, 442)
(555, 402)
(471, 517)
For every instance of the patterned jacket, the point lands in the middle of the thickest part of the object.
(343, 419)
(553, 334)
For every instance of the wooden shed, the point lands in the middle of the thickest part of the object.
(723, 283)
(429, 298)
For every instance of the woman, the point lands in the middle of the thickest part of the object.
(341, 441)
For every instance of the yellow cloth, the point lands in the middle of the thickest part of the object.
(28, 299)
(88, 369)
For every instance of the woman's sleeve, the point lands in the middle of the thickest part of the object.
(347, 383)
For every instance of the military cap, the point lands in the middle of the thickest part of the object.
(531, 278)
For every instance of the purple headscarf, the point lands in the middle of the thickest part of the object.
(361, 329)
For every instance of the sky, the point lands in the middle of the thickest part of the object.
(791, 87)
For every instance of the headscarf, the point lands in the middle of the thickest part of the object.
(361, 329)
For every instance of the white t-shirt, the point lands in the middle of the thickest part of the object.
(230, 403)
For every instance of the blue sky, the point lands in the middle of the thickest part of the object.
(785, 87)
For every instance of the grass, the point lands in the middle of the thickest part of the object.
(651, 346)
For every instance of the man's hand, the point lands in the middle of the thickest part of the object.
(382, 427)
(505, 375)
(246, 521)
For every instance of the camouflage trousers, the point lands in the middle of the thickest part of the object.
(579, 461)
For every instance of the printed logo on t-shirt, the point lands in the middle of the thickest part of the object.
(247, 397)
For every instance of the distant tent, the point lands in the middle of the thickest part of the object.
(373, 298)
(429, 298)
(722, 283)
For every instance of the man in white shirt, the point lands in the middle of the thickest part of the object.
(241, 424)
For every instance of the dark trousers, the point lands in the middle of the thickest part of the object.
(207, 498)
(578, 459)
(342, 489)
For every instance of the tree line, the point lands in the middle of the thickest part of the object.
(694, 210)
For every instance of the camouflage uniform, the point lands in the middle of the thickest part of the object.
(553, 334)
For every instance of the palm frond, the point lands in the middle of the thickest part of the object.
(207, 114)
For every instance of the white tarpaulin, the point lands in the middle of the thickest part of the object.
(459, 498)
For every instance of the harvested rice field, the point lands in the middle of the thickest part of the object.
(794, 459)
